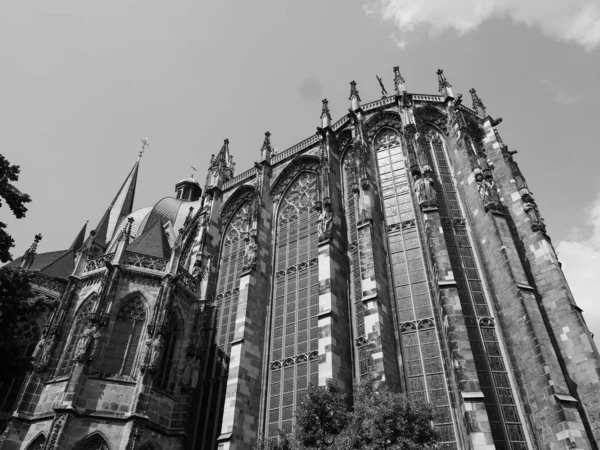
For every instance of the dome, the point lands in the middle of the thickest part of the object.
(188, 180)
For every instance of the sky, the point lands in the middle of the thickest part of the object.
(83, 82)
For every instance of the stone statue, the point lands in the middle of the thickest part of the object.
(146, 354)
(486, 189)
(324, 226)
(531, 209)
(426, 195)
(47, 350)
(155, 352)
(186, 377)
(195, 373)
(197, 270)
(89, 335)
(250, 252)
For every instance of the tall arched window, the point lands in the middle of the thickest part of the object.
(38, 443)
(121, 349)
(424, 372)
(295, 304)
(67, 362)
(230, 269)
(94, 442)
(164, 372)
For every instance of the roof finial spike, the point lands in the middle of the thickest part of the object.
(325, 114)
(354, 96)
(444, 85)
(143, 149)
(265, 150)
(399, 81)
(30, 253)
(478, 104)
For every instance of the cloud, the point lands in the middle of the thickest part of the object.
(560, 95)
(566, 20)
(580, 257)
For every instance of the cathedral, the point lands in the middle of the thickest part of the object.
(400, 243)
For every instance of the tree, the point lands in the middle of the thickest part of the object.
(379, 419)
(19, 303)
(16, 201)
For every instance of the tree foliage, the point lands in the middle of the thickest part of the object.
(379, 419)
(15, 199)
(18, 305)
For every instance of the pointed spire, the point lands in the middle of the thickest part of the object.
(354, 97)
(79, 240)
(399, 81)
(478, 105)
(29, 255)
(221, 168)
(325, 114)
(265, 150)
(121, 206)
(444, 87)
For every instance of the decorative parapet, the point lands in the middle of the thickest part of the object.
(427, 98)
(45, 283)
(188, 280)
(467, 110)
(97, 263)
(241, 177)
(378, 103)
(145, 262)
(296, 148)
(340, 123)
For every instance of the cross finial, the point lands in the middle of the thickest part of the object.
(144, 145)
(193, 170)
(383, 91)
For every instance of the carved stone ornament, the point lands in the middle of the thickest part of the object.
(531, 209)
(85, 345)
(47, 347)
(156, 348)
(426, 195)
(146, 355)
(250, 252)
(324, 225)
(487, 191)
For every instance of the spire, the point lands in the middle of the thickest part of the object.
(478, 105)
(444, 87)
(399, 81)
(29, 255)
(79, 240)
(121, 206)
(221, 167)
(354, 97)
(265, 151)
(325, 114)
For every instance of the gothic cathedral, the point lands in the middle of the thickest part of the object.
(401, 242)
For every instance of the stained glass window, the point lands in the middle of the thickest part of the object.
(294, 327)
(230, 269)
(38, 444)
(424, 374)
(507, 430)
(122, 347)
(81, 319)
(92, 443)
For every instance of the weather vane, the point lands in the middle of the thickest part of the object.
(193, 170)
(383, 91)
(144, 145)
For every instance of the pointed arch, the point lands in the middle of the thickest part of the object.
(386, 119)
(95, 441)
(37, 443)
(237, 198)
(295, 297)
(290, 172)
(120, 354)
(431, 114)
(81, 319)
(342, 139)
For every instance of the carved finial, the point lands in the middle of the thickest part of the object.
(143, 149)
(265, 151)
(444, 85)
(30, 253)
(354, 97)
(398, 81)
(325, 114)
(383, 90)
(478, 105)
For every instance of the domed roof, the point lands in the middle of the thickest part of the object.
(188, 180)
(165, 210)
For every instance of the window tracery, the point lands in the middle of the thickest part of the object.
(122, 347)
(164, 372)
(38, 443)
(230, 269)
(79, 324)
(421, 350)
(295, 303)
(94, 442)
